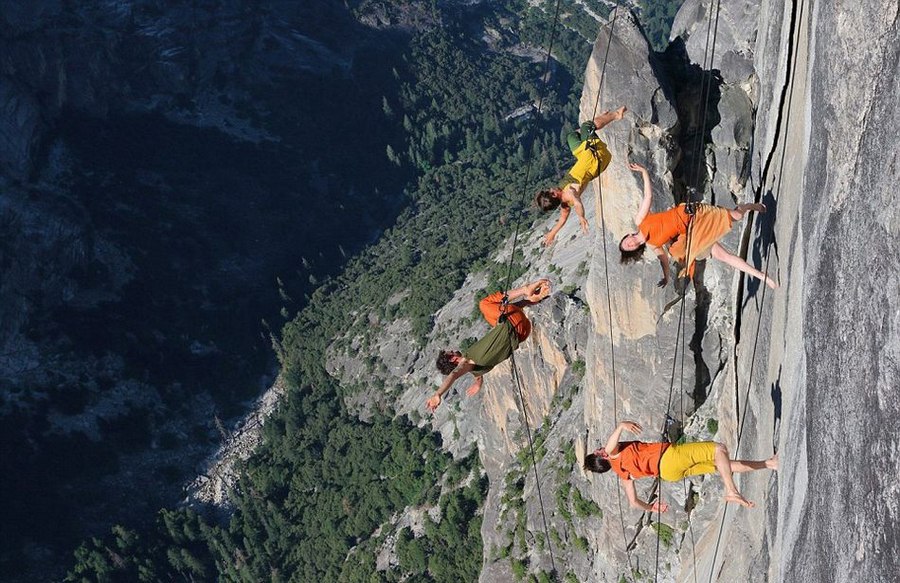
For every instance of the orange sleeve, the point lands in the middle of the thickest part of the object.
(491, 306)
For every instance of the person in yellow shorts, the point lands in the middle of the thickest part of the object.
(591, 158)
(671, 462)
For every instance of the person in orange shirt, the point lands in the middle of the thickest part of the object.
(671, 462)
(709, 224)
(510, 327)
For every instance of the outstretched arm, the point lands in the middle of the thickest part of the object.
(664, 262)
(608, 117)
(563, 217)
(579, 210)
(636, 502)
(613, 442)
(648, 194)
(435, 400)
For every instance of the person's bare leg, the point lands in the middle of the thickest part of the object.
(723, 465)
(736, 262)
(751, 465)
(738, 212)
(609, 116)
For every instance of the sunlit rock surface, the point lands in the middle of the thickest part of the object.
(806, 126)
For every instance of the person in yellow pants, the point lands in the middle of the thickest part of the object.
(671, 462)
(591, 158)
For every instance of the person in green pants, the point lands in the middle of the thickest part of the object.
(591, 158)
(510, 327)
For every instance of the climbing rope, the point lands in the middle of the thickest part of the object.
(537, 482)
(796, 22)
(530, 142)
(514, 368)
(712, 26)
(706, 85)
(512, 256)
(681, 400)
(612, 347)
(680, 335)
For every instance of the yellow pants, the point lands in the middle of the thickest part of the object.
(592, 157)
(687, 459)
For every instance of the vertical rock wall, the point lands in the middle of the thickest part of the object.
(811, 369)
(803, 117)
(838, 509)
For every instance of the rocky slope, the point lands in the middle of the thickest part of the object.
(796, 122)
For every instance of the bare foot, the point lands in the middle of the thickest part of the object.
(736, 498)
(772, 462)
(609, 116)
(771, 283)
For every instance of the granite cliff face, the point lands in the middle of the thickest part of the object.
(799, 122)
(802, 114)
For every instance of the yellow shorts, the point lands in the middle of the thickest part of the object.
(592, 157)
(687, 459)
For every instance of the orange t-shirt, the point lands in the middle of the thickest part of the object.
(637, 459)
(661, 228)
(492, 306)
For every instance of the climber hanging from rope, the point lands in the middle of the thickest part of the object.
(510, 327)
(707, 223)
(591, 158)
(671, 462)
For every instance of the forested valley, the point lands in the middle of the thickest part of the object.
(456, 118)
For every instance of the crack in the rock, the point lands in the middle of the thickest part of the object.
(758, 196)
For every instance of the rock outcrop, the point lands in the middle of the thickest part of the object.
(800, 122)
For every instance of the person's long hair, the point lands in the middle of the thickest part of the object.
(631, 256)
(546, 200)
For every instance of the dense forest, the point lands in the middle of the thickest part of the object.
(146, 261)
(656, 18)
(313, 499)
